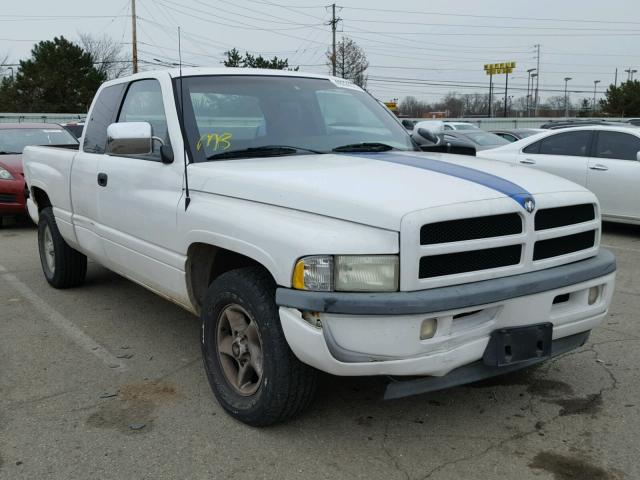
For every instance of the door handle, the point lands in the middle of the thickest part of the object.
(528, 161)
(103, 179)
(599, 166)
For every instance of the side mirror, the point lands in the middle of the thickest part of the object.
(428, 135)
(129, 138)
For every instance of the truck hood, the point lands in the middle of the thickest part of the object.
(12, 163)
(375, 189)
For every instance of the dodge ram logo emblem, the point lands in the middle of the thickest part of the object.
(529, 205)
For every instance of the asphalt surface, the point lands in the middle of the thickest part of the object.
(106, 382)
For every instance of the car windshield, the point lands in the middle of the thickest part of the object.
(485, 138)
(280, 115)
(465, 126)
(13, 140)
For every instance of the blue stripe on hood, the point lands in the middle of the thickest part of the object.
(494, 182)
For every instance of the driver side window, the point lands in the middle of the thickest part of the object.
(143, 103)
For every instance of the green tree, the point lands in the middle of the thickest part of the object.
(235, 59)
(59, 77)
(623, 100)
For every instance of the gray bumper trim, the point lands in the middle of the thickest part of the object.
(452, 297)
(476, 371)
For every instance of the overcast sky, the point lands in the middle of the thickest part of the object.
(409, 49)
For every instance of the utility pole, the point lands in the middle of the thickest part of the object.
(615, 81)
(506, 89)
(134, 38)
(334, 23)
(528, 113)
(566, 104)
(490, 92)
(595, 84)
(535, 112)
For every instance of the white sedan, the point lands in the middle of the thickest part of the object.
(605, 159)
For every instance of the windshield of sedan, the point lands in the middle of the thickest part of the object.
(13, 140)
(484, 138)
(283, 115)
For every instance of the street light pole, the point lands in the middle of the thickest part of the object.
(528, 92)
(533, 79)
(566, 104)
(595, 84)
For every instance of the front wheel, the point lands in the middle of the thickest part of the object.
(63, 267)
(251, 369)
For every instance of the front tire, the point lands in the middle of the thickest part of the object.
(63, 267)
(251, 369)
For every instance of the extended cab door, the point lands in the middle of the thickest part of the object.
(564, 154)
(139, 196)
(614, 173)
(84, 171)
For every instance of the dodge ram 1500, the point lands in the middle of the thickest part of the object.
(296, 217)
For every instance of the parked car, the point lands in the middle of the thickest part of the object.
(313, 235)
(604, 159)
(433, 141)
(459, 126)
(13, 138)
(576, 122)
(74, 128)
(516, 134)
(408, 124)
(633, 121)
(479, 139)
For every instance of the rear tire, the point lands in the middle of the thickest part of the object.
(251, 369)
(63, 267)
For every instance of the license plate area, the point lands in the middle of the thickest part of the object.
(508, 346)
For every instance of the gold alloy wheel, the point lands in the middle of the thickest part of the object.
(239, 349)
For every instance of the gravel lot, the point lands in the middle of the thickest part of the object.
(80, 368)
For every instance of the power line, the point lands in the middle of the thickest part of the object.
(395, 11)
(501, 27)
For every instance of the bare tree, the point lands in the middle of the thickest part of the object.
(351, 62)
(4, 59)
(107, 55)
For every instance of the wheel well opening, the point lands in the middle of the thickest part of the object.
(205, 263)
(41, 198)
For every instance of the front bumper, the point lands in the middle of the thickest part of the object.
(378, 334)
(12, 197)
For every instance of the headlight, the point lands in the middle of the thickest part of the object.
(5, 175)
(347, 273)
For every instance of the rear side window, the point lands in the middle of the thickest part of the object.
(143, 103)
(621, 146)
(103, 114)
(575, 144)
(533, 148)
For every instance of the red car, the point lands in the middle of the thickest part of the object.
(13, 138)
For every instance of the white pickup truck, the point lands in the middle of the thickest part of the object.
(295, 216)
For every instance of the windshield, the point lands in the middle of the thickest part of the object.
(464, 126)
(14, 140)
(484, 138)
(233, 113)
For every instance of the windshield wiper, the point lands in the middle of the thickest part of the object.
(2, 152)
(364, 147)
(264, 151)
